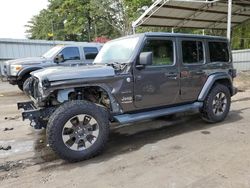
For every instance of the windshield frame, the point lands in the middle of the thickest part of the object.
(133, 54)
(56, 49)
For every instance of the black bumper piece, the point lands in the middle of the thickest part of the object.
(235, 91)
(38, 116)
(12, 80)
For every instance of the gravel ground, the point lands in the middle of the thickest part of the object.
(177, 153)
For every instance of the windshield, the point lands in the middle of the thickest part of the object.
(53, 51)
(118, 51)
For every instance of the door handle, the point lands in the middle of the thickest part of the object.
(171, 75)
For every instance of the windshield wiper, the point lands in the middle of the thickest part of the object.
(112, 63)
(116, 65)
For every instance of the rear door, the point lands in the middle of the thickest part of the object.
(90, 54)
(193, 62)
(157, 84)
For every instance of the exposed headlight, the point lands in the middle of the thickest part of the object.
(14, 69)
(40, 88)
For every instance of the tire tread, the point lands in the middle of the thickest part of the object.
(63, 111)
(206, 111)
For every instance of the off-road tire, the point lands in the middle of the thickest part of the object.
(65, 112)
(21, 82)
(207, 112)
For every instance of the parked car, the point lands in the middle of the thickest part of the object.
(18, 71)
(133, 78)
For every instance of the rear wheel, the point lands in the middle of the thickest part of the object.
(217, 104)
(78, 130)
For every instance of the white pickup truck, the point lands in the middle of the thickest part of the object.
(16, 72)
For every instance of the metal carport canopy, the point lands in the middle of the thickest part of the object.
(197, 14)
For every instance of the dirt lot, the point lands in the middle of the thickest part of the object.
(183, 152)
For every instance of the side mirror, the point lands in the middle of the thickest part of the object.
(59, 58)
(146, 58)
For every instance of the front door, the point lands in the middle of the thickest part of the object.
(71, 56)
(157, 84)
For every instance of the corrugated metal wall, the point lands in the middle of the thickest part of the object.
(241, 59)
(19, 48)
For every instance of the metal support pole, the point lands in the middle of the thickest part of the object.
(172, 30)
(133, 27)
(52, 29)
(229, 20)
(134, 30)
(203, 31)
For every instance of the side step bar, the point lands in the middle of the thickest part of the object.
(130, 118)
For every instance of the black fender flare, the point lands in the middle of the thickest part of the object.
(211, 80)
(24, 71)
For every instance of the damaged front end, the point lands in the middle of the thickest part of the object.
(34, 89)
(35, 110)
(49, 88)
(38, 116)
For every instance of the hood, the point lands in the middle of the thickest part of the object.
(70, 73)
(26, 61)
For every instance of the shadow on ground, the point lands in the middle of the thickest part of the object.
(133, 137)
(242, 99)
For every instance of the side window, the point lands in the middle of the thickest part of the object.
(71, 53)
(90, 52)
(163, 51)
(192, 52)
(218, 51)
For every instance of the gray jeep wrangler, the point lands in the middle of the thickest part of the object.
(133, 78)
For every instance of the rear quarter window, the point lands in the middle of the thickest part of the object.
(218, 51)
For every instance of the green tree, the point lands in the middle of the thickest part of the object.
(47, 22)
(241, 36)
(84, 20)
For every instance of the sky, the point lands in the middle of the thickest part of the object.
(14, 14)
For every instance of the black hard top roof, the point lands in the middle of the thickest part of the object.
(164, 34)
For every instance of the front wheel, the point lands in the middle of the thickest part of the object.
(217, 104)
(78, 130)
